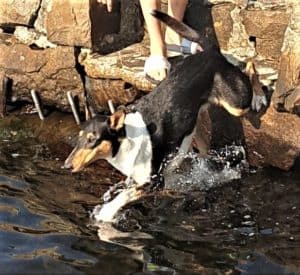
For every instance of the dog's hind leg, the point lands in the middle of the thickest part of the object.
(259, 98)
(181, 153)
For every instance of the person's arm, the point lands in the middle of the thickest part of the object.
(108, 3)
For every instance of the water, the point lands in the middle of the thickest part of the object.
(212, 218)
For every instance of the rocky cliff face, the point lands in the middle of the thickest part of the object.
(56, 46)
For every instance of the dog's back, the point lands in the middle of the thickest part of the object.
(170, 111)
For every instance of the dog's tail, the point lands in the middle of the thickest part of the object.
(181, 28)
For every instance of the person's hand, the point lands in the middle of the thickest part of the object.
(108, 3)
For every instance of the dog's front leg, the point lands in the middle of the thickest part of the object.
(109, 210)
(181, 154)
(115, 189)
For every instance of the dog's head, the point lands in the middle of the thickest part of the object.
(98, 139)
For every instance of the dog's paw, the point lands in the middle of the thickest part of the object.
(258, 101)
(102, 213)
(113, 191)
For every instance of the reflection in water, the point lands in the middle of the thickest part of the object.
(249, 224)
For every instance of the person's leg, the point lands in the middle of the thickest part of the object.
(157, 45)
(156, 66)
(176, 9)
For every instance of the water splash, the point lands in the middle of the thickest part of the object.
(203, 173)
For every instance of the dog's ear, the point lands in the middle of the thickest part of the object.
(116, 120)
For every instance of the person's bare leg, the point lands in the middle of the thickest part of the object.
(157, 43)
(176, 9)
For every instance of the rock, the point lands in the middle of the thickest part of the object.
(262, 4)
(126, 64)
(270, 140)
(68, 23)
(267, 27)
(14, 12)
(289, 75)
(289, 68)
(223, 23)
(88, 24)
(108, 38)
(51, 72)
(32, 37)
(40, 22)
(120, 92)
(276, 142)
(292, 101)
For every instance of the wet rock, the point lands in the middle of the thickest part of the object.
(18, 11)
(51, 72)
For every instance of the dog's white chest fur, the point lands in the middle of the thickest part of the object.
(135, 153)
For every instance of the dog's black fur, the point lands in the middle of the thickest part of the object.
(170, 111)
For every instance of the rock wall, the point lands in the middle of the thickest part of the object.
(55, 46)
(40, 41)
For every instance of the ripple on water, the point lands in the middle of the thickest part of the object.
(28, 243)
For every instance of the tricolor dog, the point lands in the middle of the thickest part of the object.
(137, 139)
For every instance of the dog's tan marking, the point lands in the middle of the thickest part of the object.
(232, 110)
(85, 156)
(116, 120)
(81, 133)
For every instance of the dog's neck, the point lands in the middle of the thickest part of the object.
(134, 157)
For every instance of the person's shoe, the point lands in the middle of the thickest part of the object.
(186, 47)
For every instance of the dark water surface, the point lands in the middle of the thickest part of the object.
(249, 225)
